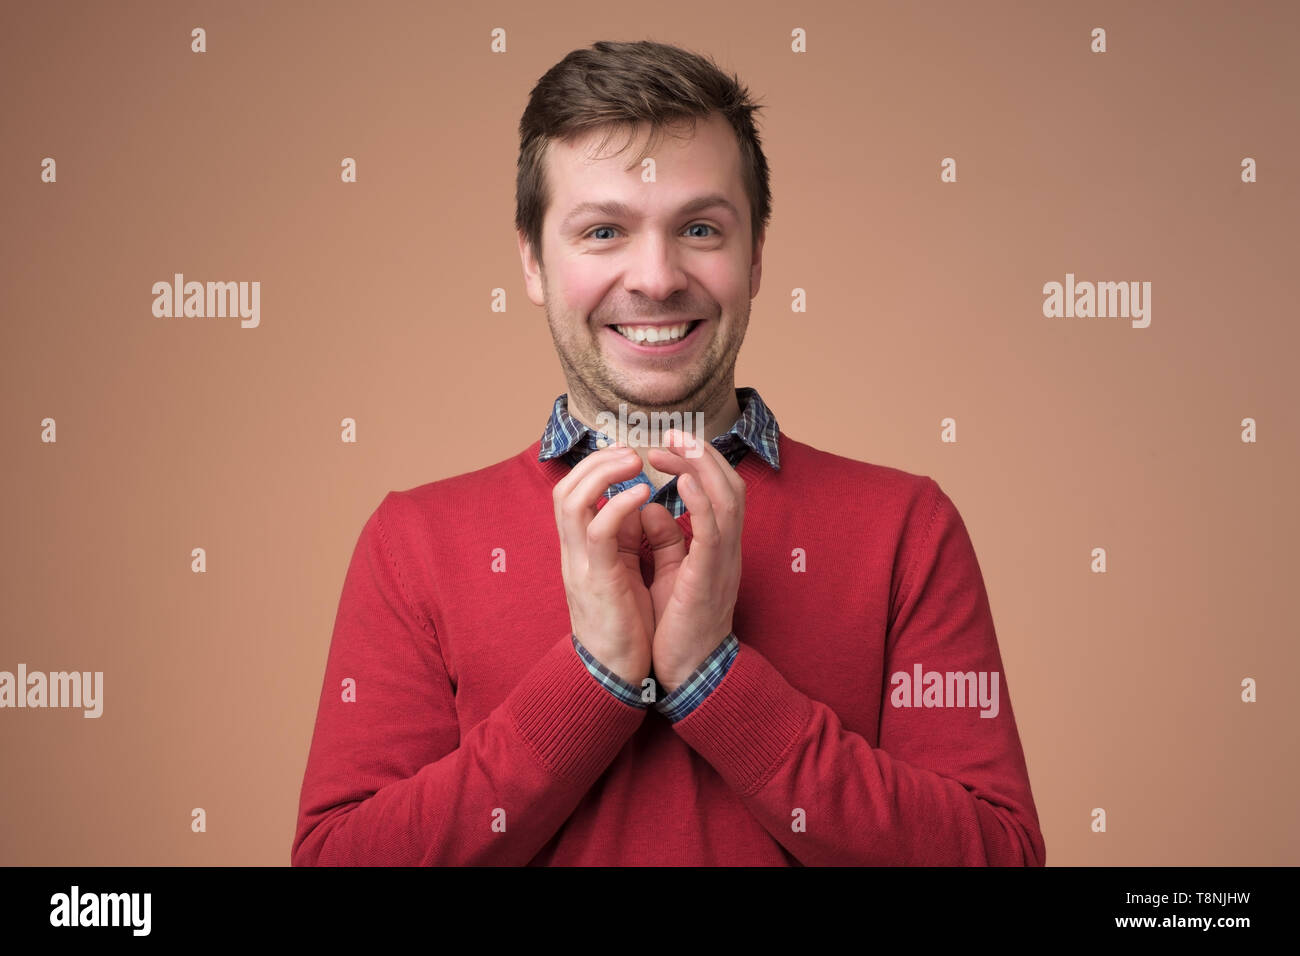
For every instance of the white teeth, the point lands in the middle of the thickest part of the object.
(649, 333)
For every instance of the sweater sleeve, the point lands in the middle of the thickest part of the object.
(946, 784)
(389, 778)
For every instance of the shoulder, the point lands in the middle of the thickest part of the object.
(446, 502)
(825, 473)
(894, 511)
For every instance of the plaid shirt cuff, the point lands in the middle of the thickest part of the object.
(692, 691)
(628, 693)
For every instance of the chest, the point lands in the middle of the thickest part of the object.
(804, 602)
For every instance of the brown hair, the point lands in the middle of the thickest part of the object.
(621, 85)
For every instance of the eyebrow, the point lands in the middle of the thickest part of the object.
(616, 209)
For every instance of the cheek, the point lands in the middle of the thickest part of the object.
(580, 292)
(724, 280)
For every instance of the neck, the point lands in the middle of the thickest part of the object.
(714, 418)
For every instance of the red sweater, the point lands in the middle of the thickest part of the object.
(457, 724)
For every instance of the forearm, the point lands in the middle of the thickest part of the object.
(831, 798)
(496, 799)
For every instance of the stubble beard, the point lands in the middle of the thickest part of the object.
(597, 387)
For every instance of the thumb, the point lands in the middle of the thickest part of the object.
(664, 534)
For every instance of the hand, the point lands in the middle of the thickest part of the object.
(610, 608)
(694, 593)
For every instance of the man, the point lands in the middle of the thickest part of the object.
(731, 649)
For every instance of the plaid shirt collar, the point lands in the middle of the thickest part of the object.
(756, 429)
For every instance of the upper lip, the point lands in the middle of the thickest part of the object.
(656, 323)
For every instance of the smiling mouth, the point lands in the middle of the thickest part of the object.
(656, 335)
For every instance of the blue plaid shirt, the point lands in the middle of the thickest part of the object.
(756, 430)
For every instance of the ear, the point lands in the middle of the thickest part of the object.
(532, 270)
(756, 270)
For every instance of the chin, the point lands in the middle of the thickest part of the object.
(667, 394)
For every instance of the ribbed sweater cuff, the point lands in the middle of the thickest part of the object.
(573, 724)
(746, 726)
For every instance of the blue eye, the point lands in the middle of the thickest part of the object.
(591, 234)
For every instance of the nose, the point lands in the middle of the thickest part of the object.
(653, 269)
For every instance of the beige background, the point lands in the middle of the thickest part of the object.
(924, 302)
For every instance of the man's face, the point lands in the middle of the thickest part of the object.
(657, 259)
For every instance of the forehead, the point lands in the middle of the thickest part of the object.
(706, 160)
